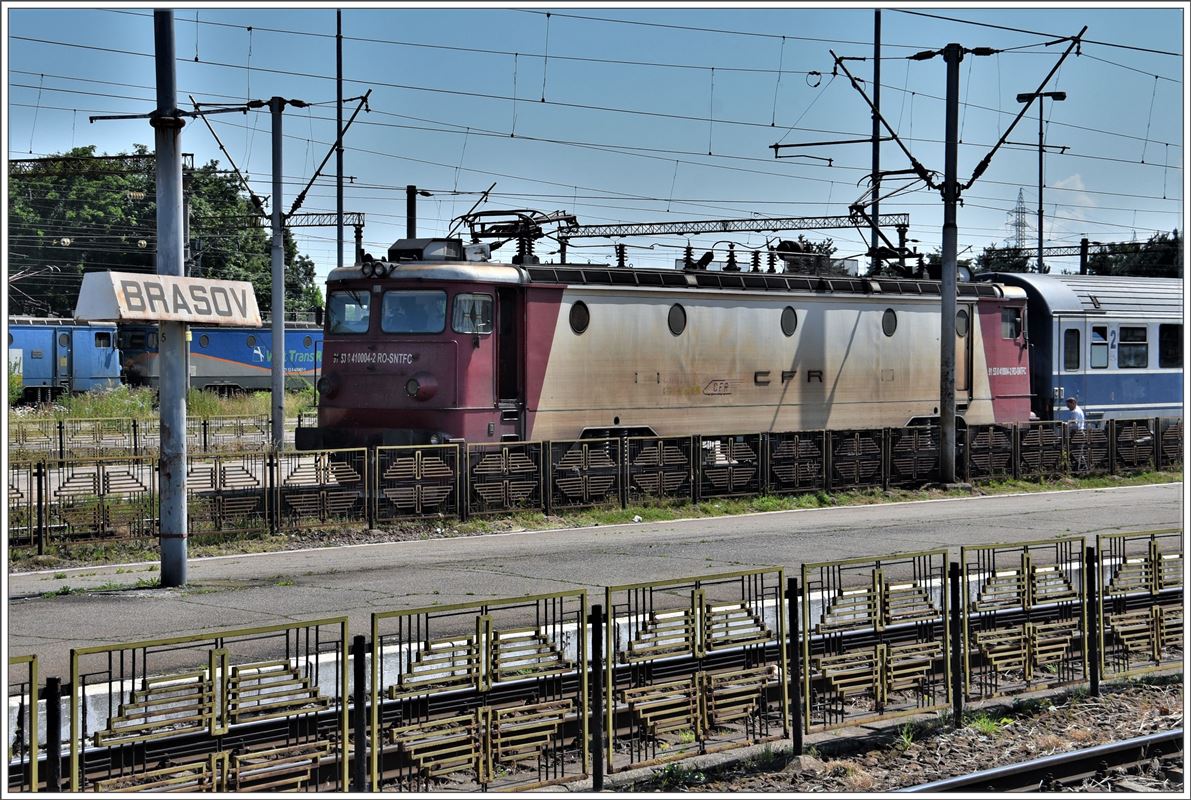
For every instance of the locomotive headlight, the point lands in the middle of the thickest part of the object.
(421, 386)
(327, 385)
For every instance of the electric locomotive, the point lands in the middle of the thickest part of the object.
(437, 344)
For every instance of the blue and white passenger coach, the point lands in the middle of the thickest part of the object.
(1113, 343)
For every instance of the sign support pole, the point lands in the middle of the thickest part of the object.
(276, 106)
(167, 132)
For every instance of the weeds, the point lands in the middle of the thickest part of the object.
(677, 776)
(987, 725)
(905, 736)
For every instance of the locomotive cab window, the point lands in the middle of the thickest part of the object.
(103, 339)
(1170, 346)
(347, 312)
(1099, 359)
(1133, 352)
(414, 311)
(1071, 349)
(472, 313)
(1010, 323)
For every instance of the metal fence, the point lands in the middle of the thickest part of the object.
(479, 696)
(874, 638)
(65, 439)
(24, 736)
(528, 692)
(248, 710)
(694, 665)
(1140, 607)
(1024, 616)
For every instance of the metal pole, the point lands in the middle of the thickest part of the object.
(957, 645)
(53, 733)
(339, 138)
(1083, 256)
(1041, 151)
(167, 134)
(411, 212)
(359, 244)
(952, 54)
(1092, 614)
(276, 106)
(596, 670)
(874, 237)
(186, 268)
(359, 717)
(793, 596)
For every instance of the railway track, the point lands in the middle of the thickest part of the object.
(1053, 773)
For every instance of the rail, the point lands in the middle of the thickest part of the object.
(1042, 773)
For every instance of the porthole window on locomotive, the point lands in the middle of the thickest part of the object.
(251, 340)
(63, 339)
(306, 342)
(677, 319)
(204, 340)
(580, 317)
(789, 320)
(889, 321)
(961, 322)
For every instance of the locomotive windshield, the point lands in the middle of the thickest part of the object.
(418, 311)
(347, 312)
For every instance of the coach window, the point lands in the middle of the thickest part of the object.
(472, 314)
(889, 322)
(414, 311)
(1071, 349)
(1170, 346)
(204, 340)
(103, 339)
(1010, 323)
(347, 312)
(1133, 352)
(1099, 358)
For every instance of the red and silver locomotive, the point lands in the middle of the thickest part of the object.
(436, 343)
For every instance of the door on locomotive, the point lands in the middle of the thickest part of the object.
(510, 397)
(963, 354)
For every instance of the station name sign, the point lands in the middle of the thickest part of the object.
(122, 296)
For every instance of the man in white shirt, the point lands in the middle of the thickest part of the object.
(1077, 416)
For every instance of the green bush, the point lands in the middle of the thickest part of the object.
(16, 386)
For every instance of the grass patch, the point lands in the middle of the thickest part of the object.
(124, 402)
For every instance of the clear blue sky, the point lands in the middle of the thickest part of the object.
(630, 138)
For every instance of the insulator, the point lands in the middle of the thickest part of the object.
(688, 257)
(731, 265)
(772, 257)
(620, 255)
(756, 261)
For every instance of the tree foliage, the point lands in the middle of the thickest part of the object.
(1160, 257)
(1003, 259)
(79, 213)
(807, 257)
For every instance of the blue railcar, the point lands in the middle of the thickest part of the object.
(1114, 343)
(55, 356)
(227, 359)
